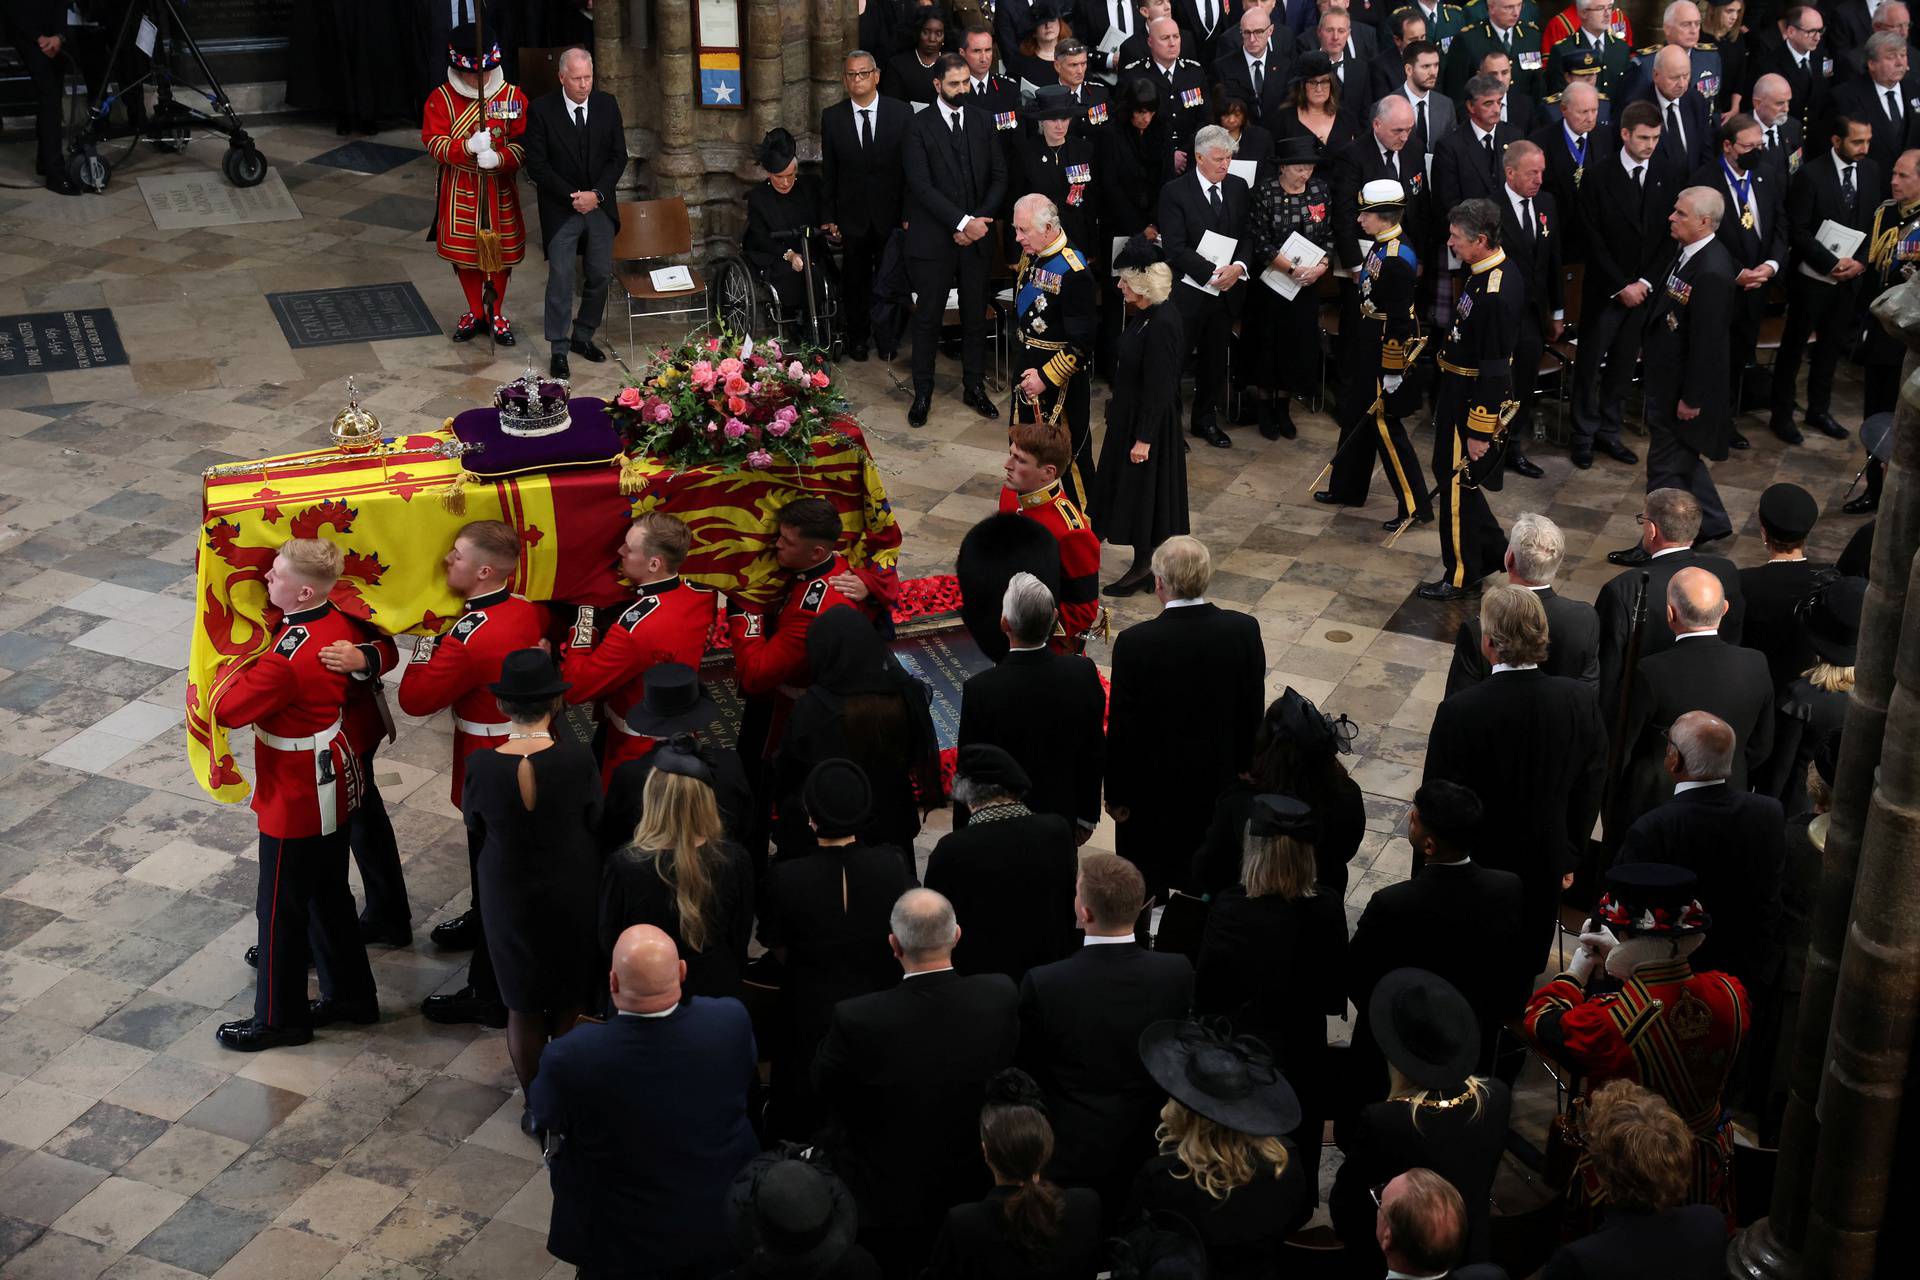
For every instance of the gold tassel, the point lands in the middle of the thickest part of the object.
(633, 476)
(486, 248)
(454, 496)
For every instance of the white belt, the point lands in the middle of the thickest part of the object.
(325, 780)
(313, 743)
(480, 730)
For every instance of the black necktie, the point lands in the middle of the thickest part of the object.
(1893, 105)
(1773, 137)
(1488, 143)
(1638, 170)
(1259, 76)
(1846, 187)
(1393, 170)
(580, 117)
(1526, 218)
(1673, 127)
(953, 122)
(1219, 210)
(1420, 109)
(866, 127)
(1120, 15)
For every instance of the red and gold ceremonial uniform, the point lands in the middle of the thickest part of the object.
(668, 623)
(1079, 557)
(452, 116)
(454, 670)
(770, 650)
(1668, 1029)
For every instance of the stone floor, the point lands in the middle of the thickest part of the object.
(131, 1145)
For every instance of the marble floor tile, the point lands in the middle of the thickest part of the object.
(41, 1187)
(119, 1213)
(342, 1208)
(183, 1160)
(107, 1136)
(59, 1256)
(242, 1109)
(282, 1254)
(32, 1112)
(201, 1236)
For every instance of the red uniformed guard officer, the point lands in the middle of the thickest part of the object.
(454, 670)
(1037, 457)
(471, 127)
(668, 623)
(306, 788)
(1668, 1028)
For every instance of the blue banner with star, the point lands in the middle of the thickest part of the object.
(720, 82)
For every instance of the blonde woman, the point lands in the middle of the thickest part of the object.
(1140, 485)
(1437, 1115)
(1223, 1164)
(682, 875)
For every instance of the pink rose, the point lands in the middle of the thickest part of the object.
(774, 346)
(629, 398)
(796, 370)
(737, 385)
(735, 428)
(713, 344)
(779, 427)
(702, 375)
(736, 405)
(729, 367)
(660, 412)
(712, 427)
(787, 413)
(759, 458)
(819, 379)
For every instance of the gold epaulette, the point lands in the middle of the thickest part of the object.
(1074, 260)
(1393, 355)
(1493, 280)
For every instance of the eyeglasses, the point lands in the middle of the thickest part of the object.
(1378, 1192)
(861, 75)
(1811, 31)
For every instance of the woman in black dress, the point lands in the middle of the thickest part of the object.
(1033, 60)
(1815, 705)
(683, 875)
(1250, 141)
(825, 917)
(1027, 1228)
(1438, 1115)
(1313, 109)
(862, 706)
(533, 804)
(786, 203)
(1296, 752)
(1292, 199)
(1223, 1164)
(1273, 959)
(1134, 159)
(908, 75)
(1140, 486)
(1721, 23)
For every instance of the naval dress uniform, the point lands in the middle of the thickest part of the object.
(1055, 305)
(455, 671)
(306, 788)
(1476, 379)
(1383, 326)
(667, 623)
(1054, 509)
(454, 115)
(1893, 249)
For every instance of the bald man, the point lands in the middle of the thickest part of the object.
(1800, 55)
(646, 1120)
(1686, 118)
(1680, 28)
(1701, 672)
(1781, 135)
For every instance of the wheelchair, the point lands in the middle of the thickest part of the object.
(748, 305)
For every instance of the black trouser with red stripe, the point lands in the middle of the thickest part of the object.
(303, 885)
(377, 854)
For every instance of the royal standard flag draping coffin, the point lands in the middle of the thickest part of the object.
(391, 517)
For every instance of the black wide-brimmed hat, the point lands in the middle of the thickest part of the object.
(528, 675)
(1426, 1028)
(1831, 619)
(674, 702)
(838, 797)
(1053, 102)
(1294, 718)
(1278, 815)
(1295, 151)
(791, 1212)
(1310, 65)
(992, 766)
(1231, 1082)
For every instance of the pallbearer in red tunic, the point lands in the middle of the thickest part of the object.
(472, 126)
(1668, 1028)
(306, 788)
(1037, 456)
(668, 623)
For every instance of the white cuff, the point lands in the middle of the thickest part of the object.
(964, 220)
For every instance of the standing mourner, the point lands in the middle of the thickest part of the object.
(472, 128)
(37, 30)
(861, 183)
(1054, 299)
(1207, 199)
(576, 149)
(1291, 200)
(1056, 161)
(306, 788)
(1892, 248)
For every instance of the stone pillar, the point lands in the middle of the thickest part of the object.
(1856, 1022)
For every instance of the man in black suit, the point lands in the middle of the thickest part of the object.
(1700, 672)
(956, 179)
(1882, 100)
(1188, 688)
(1533, 748)
(1258, 66)
(861, 139)
(1009, 871)
(1753, 230)
(1531, 232)
(1686, 118)
(646, 1119)
(1849, 25)
(1575, 146)
(1046, 709)
(576, 149)
(1080, 1025)
(1422, 1229)
(1434, 116)
(1207, 198)
(1669, 523)
(1781, 134)
(1623, 210)
(1518, 109)
(1820, 289)
(1733, 840)
(1209, 24)
(1774, 590)
(1466, 163)
(1799, 59)
(37, 30)
(903, 1073)
(1535, 548)
(1417, 923)
(1359, 78)
(1383, 153)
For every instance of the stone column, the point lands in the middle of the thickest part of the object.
(1856, 1021)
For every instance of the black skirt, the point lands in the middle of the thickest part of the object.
(1142, 504)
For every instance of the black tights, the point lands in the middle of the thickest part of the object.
(527, 1036)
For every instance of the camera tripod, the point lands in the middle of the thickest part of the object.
(170, 120)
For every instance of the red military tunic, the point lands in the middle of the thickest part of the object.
(668, 623)
(306, 782)
(454, 670)
(770, 654)
(1669, 1029)
(1079, 557)
(451, 118)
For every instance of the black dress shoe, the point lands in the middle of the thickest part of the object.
(1325, 498)
(1442, 590)
(325, 1012)
(1581, 459)
(857, 353)
(975, 398)
(250, 1035)
(1520, 464)
(1739, 441)
(59, 185)
(466, 327)
(1393, 524)
(558, 366)
(503, 333)
(463, 1006)
(252, 956)
(1784, 428)
(386, 935)
(456, 934)
(1861, 506)
(1129, 585)
(1285, 418)
(1629, 556)
(922, 403)
(587, 351)
(887, 354)
(1617, 451)
(1212, 434)
(1826, 426)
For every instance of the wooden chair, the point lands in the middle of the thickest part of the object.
(652, 231)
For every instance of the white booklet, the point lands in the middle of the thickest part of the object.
(1218, 250)
(1840, 241)
(671, 279)
(1112, 40)
(1301, 252)
(1245, 170)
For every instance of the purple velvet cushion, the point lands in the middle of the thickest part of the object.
(590, 441)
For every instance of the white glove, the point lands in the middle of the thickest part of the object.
(480, 142)
(1592, 951)
(1390, 383)
(488, 160)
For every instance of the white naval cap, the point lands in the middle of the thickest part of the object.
(1382, 192)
